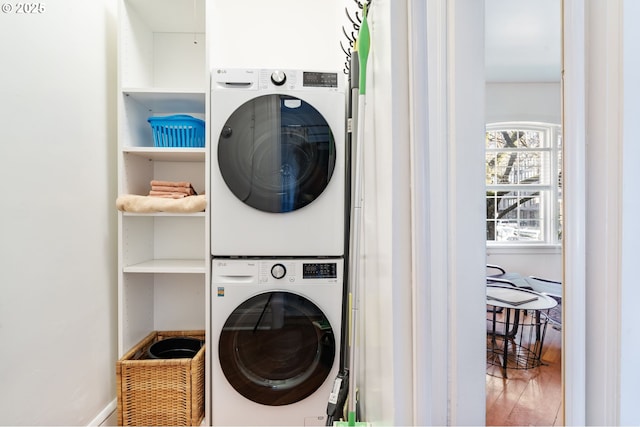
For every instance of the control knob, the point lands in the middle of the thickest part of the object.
(278, 77)
(278, 271)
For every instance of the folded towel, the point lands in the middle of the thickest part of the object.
(148, 204)
(167, 194)
(170, 183)
(184, 190)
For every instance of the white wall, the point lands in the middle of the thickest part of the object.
(630, 292)
(533, 102)
(540, 262)
(58, 228)
(298, 34)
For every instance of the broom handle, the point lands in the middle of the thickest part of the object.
(362, 44)
(354, 253)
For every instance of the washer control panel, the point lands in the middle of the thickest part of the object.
(300, 271)
(307, 271)
(319, 270)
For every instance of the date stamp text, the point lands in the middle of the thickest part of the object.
(23, 8)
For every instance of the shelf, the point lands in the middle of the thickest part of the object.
(182, 266)
(165, 214)
(168, 101)
(168, 154)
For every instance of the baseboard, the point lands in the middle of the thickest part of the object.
(104, 414)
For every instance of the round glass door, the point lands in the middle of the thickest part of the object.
(276, 348)
(276, 153)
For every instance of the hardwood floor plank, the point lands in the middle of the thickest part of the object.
(529, 396)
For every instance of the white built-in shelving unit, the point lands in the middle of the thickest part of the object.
(163, 261)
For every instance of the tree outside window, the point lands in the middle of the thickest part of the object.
(523, 183)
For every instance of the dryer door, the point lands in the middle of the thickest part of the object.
(276, 348)
(276, 153)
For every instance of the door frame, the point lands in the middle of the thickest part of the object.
(574, 205)
(446, 266)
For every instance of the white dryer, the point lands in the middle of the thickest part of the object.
(275, 334)
(277, 163)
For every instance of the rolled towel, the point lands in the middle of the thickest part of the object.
(146, 204)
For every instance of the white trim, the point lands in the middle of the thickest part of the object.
(466, 206)
(453, 269)
(630, 206)
(430, 384)
(574, 144)
(104, 414)
(524, 249)
(603, 255)
(418, 99)
(438, 280)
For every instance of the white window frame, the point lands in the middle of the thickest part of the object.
(550, 191)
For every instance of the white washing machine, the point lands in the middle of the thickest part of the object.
(277, 163)
(275, 340)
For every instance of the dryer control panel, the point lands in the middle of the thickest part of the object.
(277, 80)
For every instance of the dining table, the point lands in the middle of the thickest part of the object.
(517, 319)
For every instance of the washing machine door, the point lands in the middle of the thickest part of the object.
(276, 348)
(276, 153)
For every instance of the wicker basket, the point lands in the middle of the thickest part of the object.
(160, 392)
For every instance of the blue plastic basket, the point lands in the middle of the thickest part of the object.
(180, 131)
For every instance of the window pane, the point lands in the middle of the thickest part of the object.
(514, 216)
(532, 139)
(511, 138)
(517, 167)
(523, 164)
(490, 167)
(492, 198)
(491, 140)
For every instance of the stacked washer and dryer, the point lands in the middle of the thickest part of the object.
(277, 200)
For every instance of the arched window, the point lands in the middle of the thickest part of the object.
(523, 183)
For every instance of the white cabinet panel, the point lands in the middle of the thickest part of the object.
(163, 257)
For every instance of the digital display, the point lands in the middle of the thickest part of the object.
(315, 79)
(326, 270)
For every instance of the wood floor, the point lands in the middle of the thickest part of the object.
(530, 397)
(526, 398)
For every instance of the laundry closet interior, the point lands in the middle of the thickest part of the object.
(259, 269)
